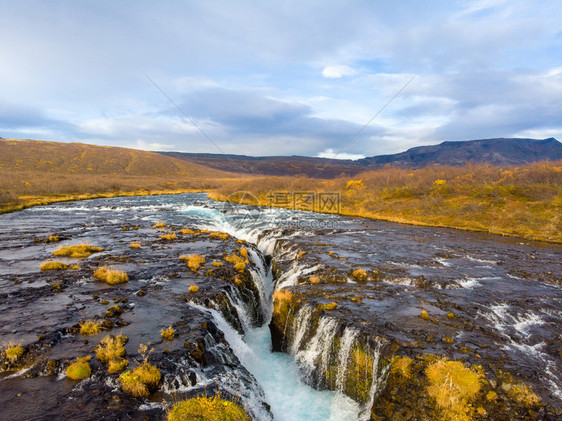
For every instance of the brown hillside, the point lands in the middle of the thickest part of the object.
(79, 158)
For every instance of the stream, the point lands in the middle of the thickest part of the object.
(506, 296)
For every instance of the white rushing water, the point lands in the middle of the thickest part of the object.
(277, 373)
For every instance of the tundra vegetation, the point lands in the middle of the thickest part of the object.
(168, 333)
(54, 266)
(207, 409)
(111, 276)
(79, 251)
(80, 369)
(194, 261)
(143, 379)
(523, 201)
(89, 327)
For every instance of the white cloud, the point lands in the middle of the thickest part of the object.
(332, 154)
(336, 72)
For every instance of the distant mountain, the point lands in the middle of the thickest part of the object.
(273, 165)
(79, 158)
(499, 151)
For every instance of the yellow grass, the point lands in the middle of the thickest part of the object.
(168, 236)
(282, 301)
(135, 245)
(219, 234)
(111, 276)
(90, 327)
(522, 393)
(14, 353)
(111, 348)
(360, 274)
(168, 333)
(139, 381)
(521, 201)
(454, 387)
(330, 306)
(204, 408)
(193, 288)
(194, 261)
(54, 266)
(78, 251)
(116, 365)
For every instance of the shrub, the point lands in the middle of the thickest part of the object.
(169, 333)
(207, 409)
(54, 266)
(194, 261)
(80, 369)
(117, 365)
(402, 366)
(453, 386)
(111, 348)
(141, 380)
(522, 393)
(360, 274)
(135, 245)
(14, 353)
(217, 264)
(78, 251)
(111, 276)
(52, 239)
(160, 225)
(425, 315)
(89, 328)
(193, 288)
(187, 231)
(168, 236)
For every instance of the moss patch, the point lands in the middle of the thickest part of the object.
(80, 369)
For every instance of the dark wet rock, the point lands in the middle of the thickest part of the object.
(155, 297)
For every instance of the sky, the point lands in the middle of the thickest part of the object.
(315, 78)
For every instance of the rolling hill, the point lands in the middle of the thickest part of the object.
(79, 158)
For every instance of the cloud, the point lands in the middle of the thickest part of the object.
(336, 72)
(269, 79)
(332, 154)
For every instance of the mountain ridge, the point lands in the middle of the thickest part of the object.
(496, 151)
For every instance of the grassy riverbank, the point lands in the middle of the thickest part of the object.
(515, 201)
(24, 189)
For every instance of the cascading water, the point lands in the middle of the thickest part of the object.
(347, 340)
(291, 398)
(325, 357)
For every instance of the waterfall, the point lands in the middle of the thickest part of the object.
(314, 357)
(330, 360)
(347, 340)
(299, 328)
